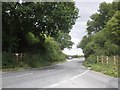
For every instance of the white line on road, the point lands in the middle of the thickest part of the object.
(24, 75)
(68, 79)
(18, 75)
(64, 81)
(53, 85)
(79, 75)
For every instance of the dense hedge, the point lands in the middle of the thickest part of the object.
(50, 54)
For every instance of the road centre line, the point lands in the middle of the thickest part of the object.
(68, 79)
(79, 75)
(63, 81)
(53, 85)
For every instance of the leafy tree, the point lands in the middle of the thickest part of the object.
(111, 48)
(38, 18)
(104, 30)
(104, 27)
(84, 42)
(113, 28)
(100, 38)
(64, 40)
(53, 51)
(99, 20)
(89, 49)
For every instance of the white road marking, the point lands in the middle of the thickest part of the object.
(18, 75)
(24, 75)
(53, 85)
(79, 75)
(64, 81)
(50, 70)
(68, 79)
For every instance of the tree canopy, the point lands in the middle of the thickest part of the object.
(103, 32)
(28, 23)
(39, 30)
(99, 19)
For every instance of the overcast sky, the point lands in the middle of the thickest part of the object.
(86, 9)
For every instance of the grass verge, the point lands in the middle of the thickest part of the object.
(27, 67)
(103, 68)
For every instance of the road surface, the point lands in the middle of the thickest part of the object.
(70, 74)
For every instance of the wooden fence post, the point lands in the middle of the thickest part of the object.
(107, 59)
(114, 61)
(17, 56)
(102, 59)
(97, 59)
(21, 56)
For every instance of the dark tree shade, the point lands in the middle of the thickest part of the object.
(40, 19)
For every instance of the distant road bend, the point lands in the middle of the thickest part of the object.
(70, 74)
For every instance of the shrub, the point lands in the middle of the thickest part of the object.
(8, 61)
(47, 54)
(92, 59)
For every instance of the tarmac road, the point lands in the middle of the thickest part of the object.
(71, 74)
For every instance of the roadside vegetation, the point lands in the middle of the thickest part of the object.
(39, 30)
(107, 66)
(102, 39)
(74, 56)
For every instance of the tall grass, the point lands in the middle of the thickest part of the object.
(108, 69)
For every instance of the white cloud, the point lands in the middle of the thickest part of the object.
(73, 51)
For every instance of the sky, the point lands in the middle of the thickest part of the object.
(86, 9)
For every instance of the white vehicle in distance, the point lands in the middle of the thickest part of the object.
(69, 57)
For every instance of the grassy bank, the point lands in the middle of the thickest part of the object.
(103, 68)
(30, 61)
(25, 67)
(49, 53)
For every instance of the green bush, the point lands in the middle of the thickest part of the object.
(92, 59)
(53, 51)
(8, 61)
(0, 60)
(47, 54)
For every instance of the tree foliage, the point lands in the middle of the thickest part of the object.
(37, 18)
(104, 31)
(64, 40)
(38, 29)
(99, 19)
